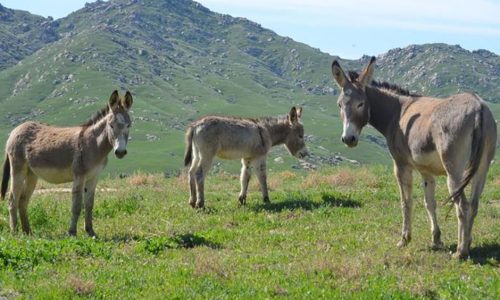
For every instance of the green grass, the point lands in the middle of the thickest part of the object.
(326, 234)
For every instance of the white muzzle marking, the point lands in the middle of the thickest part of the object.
(350, 130)
(120, 143)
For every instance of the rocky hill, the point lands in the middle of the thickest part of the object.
(440, 69)
(182, 61)
(21, 34)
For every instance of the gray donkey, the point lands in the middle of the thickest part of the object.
(64, 154)
(453, 136)
(245, 138)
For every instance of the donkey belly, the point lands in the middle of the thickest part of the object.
(233, 154)
(429, 162)
(54, 175)
(240, 150)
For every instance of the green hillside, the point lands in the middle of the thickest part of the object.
(182, 61)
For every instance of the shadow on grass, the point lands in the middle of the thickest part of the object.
(207, 210)
(334, 201)
(157, 244)
(484, 254)
(189, 240)
(328, 200)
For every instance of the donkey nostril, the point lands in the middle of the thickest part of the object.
(353, 139)
(120, 152)
(343, 139)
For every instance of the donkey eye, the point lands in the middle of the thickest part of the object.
(340, 106)
(111, 125)
(361, 104)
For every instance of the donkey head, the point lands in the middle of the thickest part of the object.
(294, 141)
(118, 122)
(352, 101)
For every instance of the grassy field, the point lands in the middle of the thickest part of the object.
(326, 234)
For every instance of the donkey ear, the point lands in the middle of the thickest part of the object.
(114, 99)
(293, 116)
(339, 75)
(366, 76)
(127, 101)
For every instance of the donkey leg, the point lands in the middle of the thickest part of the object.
(246, 173)
(13, 206)
(405, 179)
(477, 182)
(260, 170)
(430, 205)
(76, 205)
(192, 182)
(462, 207)
(18, 178)
(31, 181)
(90, 186)
(201, 173)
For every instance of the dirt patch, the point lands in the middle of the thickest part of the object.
(68, 190)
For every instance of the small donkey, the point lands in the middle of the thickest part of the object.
(233, 138)
(64, 154)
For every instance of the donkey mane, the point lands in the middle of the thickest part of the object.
(256, 120)
(353, 76)
(270, 120)
(95, 117)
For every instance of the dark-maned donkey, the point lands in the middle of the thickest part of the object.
(64, 154)
(455, 136)
(233, 138)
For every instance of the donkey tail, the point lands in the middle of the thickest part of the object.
(6, 176)
(188, 154)
(477, 146)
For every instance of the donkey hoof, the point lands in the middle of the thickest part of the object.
(266, 200)
(402, 243)
(243, 200)
(192, 203)
(460, 255)
(437, 245)
(199, 205)
(91, 233)
(72, 232)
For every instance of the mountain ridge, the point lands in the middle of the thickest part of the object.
(182, 61)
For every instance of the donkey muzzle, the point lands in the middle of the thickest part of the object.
(302, 153)
(120, 153)
(350, 141)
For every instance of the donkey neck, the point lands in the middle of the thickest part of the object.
(385, 109)
(278, 128)
(99, 134)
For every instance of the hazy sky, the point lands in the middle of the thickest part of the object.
(348, 28)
